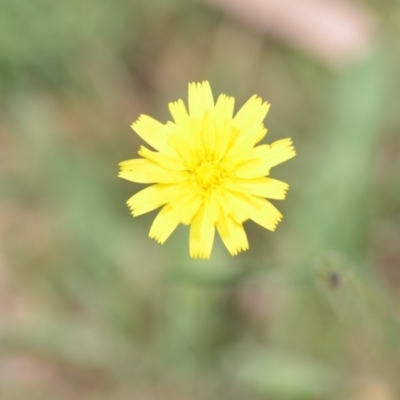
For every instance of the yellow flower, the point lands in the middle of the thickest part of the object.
(207, 171)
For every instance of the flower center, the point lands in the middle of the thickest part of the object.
(208, 174)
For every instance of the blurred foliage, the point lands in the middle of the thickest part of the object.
(90, 308)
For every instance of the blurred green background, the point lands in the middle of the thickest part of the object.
(91, 308)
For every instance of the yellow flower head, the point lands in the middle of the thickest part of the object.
(207, 171)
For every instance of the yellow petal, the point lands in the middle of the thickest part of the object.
(265, 214)
(196, 137)
(251, 135)
(263, 187)
(172, 214)
(236, 204)
(238, 155)
(226, 134)
(252, 169)
(182, 144)
(264, 158)
(200, 99)
(243, 206)
(190, 208)
(164, 224)
(202, 229)
(209, 134)
(223, 110)
(232, 234)
(140, 170)
(179, 114)
(152, 132)
(153, 197)
(280, 151)
(173, 162)
(251, 115)
(226, 139)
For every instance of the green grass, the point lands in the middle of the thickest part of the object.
(90, 308)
